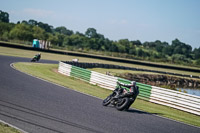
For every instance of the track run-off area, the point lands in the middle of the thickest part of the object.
(38, 106)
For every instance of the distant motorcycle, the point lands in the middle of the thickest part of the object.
(36, 58)
(119, 99)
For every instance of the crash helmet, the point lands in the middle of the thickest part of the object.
(133, 83)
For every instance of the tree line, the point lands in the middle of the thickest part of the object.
(91, 41)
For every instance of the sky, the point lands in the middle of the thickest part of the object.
(144, 20)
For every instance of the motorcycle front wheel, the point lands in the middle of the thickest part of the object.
(107, 100)
(122, 104)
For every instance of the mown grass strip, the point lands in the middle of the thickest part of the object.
(48, 72)
(4, 128)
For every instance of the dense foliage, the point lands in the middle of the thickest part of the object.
(91, 41)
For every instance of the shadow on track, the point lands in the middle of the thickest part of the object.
(135, 111)
(141, 112)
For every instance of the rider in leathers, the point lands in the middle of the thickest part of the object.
(133, 90)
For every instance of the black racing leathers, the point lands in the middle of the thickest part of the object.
(133, 89)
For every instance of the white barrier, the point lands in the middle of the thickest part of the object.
(105, 81)
(64, 68)
(175, 99)
(170, 98)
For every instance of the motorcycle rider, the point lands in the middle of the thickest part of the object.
(133, 90)
(123, 96)
(38, 56)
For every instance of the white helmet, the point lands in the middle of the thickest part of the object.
(133, 82)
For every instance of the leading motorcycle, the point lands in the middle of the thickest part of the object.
(36, 58)
(118, 98)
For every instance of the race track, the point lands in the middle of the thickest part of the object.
(37, 106)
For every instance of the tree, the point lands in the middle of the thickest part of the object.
(113, 47)
(167, 50)
(64, 30)
(76, 40)
(46, 27)
(39, 33)
(32, 22)
(67, 41)
(107, 43)
(60, 39)
(100, 36)
(91, 33)
(196, 53)
(140, 52)
(149, 44)
(22, 32)
(181, 48)
(137, 43)
(5, 27)
(93, 43)
(125, 43)
(175, 43)
(132, 51)
(121, 48)
(197, 62)
(160, 45)
(179, 58)
(80, 34)
(4, 17)
(24, 22)
(52, 39)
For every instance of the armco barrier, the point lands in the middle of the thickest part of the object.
(170, 98)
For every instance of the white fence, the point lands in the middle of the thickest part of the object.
(104, 81)
(175, 99)
(170, 98)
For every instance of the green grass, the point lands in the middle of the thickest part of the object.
(48, 72)
(4, 128)
(29, 54)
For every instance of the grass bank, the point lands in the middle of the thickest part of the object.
(48, 72)
(4, 128)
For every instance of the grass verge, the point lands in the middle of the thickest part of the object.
(4, 128)
(48, 72)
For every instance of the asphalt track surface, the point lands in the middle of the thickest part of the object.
(37, 106)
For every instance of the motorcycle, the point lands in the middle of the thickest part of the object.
(36, 58)
(118, 101)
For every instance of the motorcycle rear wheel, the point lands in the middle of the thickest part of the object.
(130, 103)
(122, 104)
